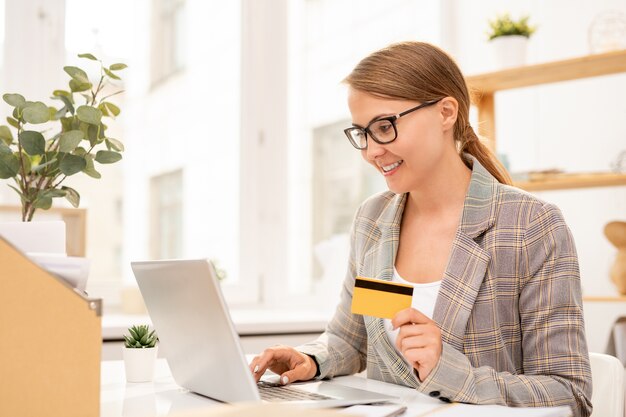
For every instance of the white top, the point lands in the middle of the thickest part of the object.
(424, 297)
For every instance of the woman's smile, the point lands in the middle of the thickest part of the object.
(391, 168)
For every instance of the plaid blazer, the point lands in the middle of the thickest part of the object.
(509, 308)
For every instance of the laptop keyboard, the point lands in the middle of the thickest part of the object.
(277, 393)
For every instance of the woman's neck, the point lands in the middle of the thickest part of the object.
(445, 190)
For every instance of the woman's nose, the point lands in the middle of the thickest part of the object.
(373, 150)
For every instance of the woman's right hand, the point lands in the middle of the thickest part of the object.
(285, 361)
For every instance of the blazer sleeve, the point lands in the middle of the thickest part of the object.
(555, 357)
(342, 348)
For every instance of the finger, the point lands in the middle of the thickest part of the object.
(253, 365)
(429, 331)
(409, 315)
(302, 372)
(259, 364)
(423, 360)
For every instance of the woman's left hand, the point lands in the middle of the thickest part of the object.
(419, 340)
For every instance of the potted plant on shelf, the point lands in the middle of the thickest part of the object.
(509, 39)
(140, 353)
(73, 138)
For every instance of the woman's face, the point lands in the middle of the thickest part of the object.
(424, 139)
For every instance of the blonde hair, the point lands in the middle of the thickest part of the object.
(421, 72)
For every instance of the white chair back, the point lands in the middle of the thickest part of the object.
(607, 373)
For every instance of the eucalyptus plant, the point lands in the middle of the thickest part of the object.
(504, 25)
(72, 139)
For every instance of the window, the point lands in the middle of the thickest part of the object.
(168, 38)
(166, 216)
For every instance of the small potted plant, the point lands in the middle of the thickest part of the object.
(509, 38)
(140, 353)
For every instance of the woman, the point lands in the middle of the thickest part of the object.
(497, 311)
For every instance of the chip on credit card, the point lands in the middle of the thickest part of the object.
(378, 298)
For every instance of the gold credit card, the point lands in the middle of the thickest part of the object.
(378, 298)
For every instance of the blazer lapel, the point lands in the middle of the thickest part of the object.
(380, 260)
(468, 261)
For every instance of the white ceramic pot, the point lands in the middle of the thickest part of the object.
(140, 363)
(510, 51)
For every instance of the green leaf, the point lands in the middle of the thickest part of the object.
(36, 113)
(27, 162)
(40, 167)
(5, 135)
(92, 134)
(114, 144)
(90, 167)
(62, 93)
(108, 157)
(4, 148)
(69, 105)
(32, 142)
(43, 202)
(77, 86)
(52, 111)
(89, 115)
(53, 192)
(13, 122)
(80, 151)
(133, 333)
(109, 109)
(72, 196)
(88, 56)
(9, 165)
(71, 164)
(77, 74)
(14, 100)
(117, 67)
(111, 74)
(70, 140)
(52, 163)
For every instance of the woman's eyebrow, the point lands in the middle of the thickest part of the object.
(373, 119)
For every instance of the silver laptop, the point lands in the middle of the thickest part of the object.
(186, 305)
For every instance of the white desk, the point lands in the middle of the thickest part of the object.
(163, 397)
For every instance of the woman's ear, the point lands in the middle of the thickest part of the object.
(449, 112)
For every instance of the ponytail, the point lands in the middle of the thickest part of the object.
(471, 144)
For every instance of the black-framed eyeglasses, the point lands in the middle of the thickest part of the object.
(382, 130)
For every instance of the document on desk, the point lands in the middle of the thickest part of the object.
(469, 410)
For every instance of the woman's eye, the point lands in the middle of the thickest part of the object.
(384, 127)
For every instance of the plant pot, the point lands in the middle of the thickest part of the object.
(510, 51)
(140, 364)
(45, 237)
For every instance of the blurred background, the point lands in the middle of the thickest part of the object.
(232, 119)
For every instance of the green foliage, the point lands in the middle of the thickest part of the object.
(504, 25)
(71, 141)
(219, 271)
(140, 337)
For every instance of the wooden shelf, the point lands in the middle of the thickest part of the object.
(484, 86)
(605, 299)
(569, 181)
(550, 72)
